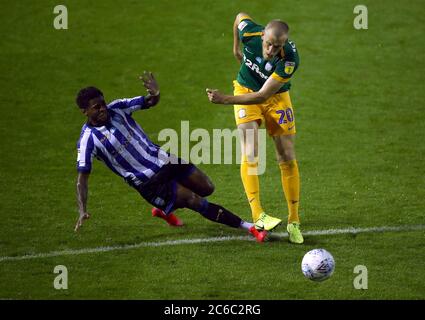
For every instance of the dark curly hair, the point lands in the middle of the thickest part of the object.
(85, 95)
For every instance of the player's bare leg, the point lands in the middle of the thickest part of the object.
(199, 183)
(285, 154)
(285, 147)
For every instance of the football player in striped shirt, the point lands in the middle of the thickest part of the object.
(112, 136)
(261, 93)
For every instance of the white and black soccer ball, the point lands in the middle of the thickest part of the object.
(318, 265)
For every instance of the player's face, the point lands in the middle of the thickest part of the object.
(272, 45)
(97, 112)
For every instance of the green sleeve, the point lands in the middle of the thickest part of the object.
(289, 63)
(246, 27)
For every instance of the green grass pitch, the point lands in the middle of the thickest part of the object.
(358, 98)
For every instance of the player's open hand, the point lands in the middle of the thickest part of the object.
(215, 96)
(83, 216)
(150, 83)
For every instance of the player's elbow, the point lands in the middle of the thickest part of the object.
(264, 94)
(261, 97)
(240, 15)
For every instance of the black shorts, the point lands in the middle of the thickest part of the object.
(161, 189)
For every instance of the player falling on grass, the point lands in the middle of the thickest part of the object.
(165, 181)
(261, 92)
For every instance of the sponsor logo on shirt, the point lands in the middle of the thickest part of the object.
(254, 68)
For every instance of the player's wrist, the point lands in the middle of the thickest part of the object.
(227, 99)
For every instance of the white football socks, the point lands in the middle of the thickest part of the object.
(246, 225)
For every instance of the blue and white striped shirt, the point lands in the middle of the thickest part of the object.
(121, 144)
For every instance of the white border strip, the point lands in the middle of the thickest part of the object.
(350, 230)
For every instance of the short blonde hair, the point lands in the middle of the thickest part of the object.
(278, 27)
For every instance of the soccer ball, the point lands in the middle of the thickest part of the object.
(318, 265)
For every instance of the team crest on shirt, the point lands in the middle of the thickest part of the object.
(268, 66)
(289, 67)
(242, 113)
(258, 59)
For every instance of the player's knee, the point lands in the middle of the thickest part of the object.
(194, 202)
(206, 189)
(209, 188)
(286, 155)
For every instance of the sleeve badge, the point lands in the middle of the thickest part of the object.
(289, 67)
(242, 25)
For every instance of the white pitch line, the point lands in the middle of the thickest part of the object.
(350, 230)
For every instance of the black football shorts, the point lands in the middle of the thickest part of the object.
(161, 189)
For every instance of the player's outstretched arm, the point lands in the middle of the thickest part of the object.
(82, 193)
(236, 41)
(270, 87)
(152, 87)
